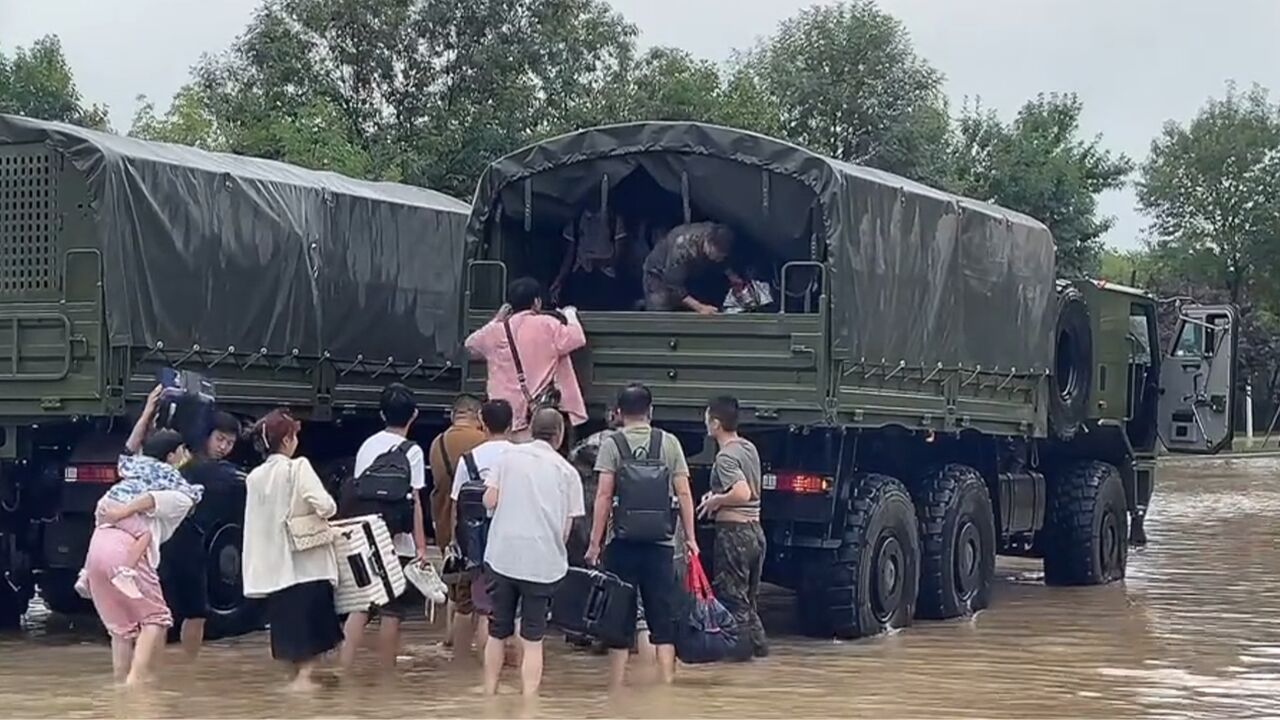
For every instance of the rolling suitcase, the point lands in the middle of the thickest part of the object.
(369, 571)
(595, 603)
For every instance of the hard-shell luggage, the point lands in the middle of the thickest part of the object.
(369, 571)
(595, 603)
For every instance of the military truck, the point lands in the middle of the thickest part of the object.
(924, 394)
(283, 286)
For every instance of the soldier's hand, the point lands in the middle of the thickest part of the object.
(707, 310)
(592, 557)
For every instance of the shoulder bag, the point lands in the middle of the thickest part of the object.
(307, 531)
(546, 397)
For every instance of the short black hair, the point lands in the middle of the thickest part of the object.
(635, 400)
(522, 293)
(725, 409)
(225, 422)
(162, 443)
(398, 405)
(547, 425)
(497, 416)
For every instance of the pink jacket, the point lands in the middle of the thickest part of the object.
(545, 344)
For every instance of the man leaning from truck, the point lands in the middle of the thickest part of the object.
(681, 257)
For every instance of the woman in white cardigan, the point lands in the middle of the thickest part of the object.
(298, 584)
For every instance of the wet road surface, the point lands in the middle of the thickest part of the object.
(1193, 632)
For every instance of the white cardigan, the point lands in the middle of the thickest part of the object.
(270, 564)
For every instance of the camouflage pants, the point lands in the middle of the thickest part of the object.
(739, 561)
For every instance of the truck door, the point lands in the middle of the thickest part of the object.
(1197, 381)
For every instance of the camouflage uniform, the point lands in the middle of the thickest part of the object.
(675, 260)
(739, 562)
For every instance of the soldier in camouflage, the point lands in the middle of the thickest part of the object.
(734, 502)
(680, 257)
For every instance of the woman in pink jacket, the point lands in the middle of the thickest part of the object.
(527, 355)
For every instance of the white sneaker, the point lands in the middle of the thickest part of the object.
(126, 581)
(425, 578)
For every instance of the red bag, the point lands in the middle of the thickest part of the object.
(707, 633)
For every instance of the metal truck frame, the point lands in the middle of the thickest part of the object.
(285, 286)
(931, 396)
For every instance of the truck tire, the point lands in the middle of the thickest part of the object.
(957, 542)
(1072, 366)
(873, 578)
(230, 612)
(1086, 540)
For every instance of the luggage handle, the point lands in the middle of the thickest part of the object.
(596, 602)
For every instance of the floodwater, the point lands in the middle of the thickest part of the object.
(1193, 632)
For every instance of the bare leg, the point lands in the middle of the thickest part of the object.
(302, 679)
(148, 645)
(192, 636)
(667, 662)
(530, 667)
(389, 642)
(617, 667)
(482, 631)
(121, 657)
(494, 653)
(464, 629)
(450, 619)
(353, 634)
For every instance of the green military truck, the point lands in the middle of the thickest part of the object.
(924, 393)
(284, 286)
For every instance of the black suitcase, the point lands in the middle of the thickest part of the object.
(595, 603)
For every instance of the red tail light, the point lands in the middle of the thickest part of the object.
(103, 474)
(800, 483)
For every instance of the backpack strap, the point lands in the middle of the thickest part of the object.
(655, 444)
(444, 455)
(624, 448)
(406, 446)
(472, 470)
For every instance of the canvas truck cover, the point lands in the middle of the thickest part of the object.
(917, 274)
(221, 250)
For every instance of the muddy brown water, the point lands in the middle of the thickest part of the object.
(1192, 632)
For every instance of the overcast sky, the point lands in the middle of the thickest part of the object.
(1135, 63)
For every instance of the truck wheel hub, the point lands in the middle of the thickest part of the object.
(886, 591)
(968, 552)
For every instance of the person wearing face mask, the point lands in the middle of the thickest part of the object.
(734, 503)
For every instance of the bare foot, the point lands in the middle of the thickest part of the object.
(303, 685)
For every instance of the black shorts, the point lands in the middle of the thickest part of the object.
(532, 599)
(184, 573)
(651, 568)
(411, 602)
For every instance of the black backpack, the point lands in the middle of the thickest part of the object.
(385, 488)
(473, 518)
(643, 508)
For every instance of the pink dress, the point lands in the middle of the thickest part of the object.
(545, 344)
(108, 550)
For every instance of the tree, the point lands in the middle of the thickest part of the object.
(845, 81)
(1212, 190)
(427, 91)
(37, 82)
(1039, 165)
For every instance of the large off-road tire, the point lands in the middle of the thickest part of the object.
(869, 585)
(1086, 535)
(957, 542)
(1072, 366)
(230, 612)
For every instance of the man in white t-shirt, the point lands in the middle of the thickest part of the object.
(496, 417)
(399, 411)
(534, 494)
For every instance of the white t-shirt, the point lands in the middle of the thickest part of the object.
(485, 455)
(539, 495)
(380, 444)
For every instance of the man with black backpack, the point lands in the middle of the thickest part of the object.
(643, 479)
(389, 476)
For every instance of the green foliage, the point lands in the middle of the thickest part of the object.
(1039, 165)
(1212, 190)
(37, 82)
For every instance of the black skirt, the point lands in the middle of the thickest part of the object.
(304, 623)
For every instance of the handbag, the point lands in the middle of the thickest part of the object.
(306, 532)
(548, 396)
(707, 633)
